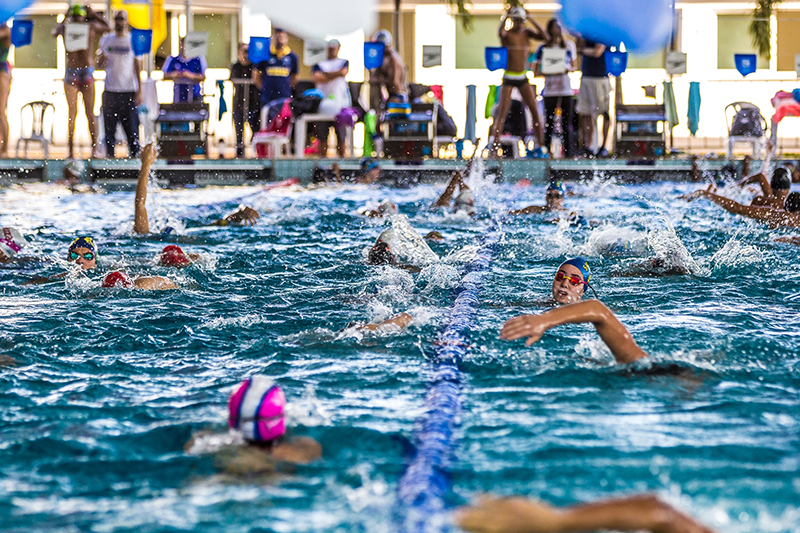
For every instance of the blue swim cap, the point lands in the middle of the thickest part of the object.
(556, 185)
(83, 242)
(581, 264)
(368, 164)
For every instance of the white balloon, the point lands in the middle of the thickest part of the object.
(315, 19)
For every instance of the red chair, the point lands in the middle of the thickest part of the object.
(275, 138)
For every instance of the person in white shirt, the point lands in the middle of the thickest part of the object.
(329, 75)
(122, 92)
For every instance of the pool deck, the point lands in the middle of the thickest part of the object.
(122, 173)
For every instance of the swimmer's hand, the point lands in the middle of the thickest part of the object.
(531, 326)
(244, 215)
(697, 194)
(148, 155)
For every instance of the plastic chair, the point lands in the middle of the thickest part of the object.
(38, 113)
(275, 138)
(755, 139)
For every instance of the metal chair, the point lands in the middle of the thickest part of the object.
(38, 113)
(756, 135)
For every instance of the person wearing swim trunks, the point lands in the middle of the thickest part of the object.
(141, 222)
(553, 201)
(593, 96)
(82, 251)
(788, 217)
(391, 75)
(79, 69)
(515, 35)
(120, 280)
(5, 86)
(257, 416)
(521, 515)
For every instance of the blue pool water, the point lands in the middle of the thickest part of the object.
(109, 385)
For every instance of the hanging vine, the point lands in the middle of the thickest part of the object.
(466, 18)
(760, 26)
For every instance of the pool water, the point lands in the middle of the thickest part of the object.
(108, 385)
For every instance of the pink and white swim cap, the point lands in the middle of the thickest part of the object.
(256, 409)
(11, 242)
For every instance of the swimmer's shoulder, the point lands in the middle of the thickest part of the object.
(298, 450)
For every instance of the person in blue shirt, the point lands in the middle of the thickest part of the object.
(187, 75)
(593, 96)
(277, 75)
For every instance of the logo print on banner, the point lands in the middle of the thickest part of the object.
(258, 49)
(142, 41)
(22, 33)
(745, 63)
(616, 62)
(373, 55)
(496, 57)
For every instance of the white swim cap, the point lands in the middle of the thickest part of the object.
(517, 13)
(384, 37)
(11, 242)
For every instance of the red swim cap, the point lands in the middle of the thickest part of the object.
(117, 279)
(172, 255)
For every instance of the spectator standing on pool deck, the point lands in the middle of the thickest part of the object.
(122, 93)
(5, 86)
(516, 38)
(278, 74)
(246, 99)
(557, 92)
(79, 69)
(329, 76)
(187, 74)
(593, 96)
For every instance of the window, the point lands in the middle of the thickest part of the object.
(733, 38)
(42, 52)
(222, 37)
(788, 39)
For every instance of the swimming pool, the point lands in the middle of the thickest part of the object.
(109, 384)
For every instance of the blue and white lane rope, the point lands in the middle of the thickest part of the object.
(424, 484)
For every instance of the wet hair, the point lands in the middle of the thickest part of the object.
(792, 202)
(781, 180)
(380, 254)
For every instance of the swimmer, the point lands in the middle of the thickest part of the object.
(174, 256)
(386, 208)
(788, 217)
(464, 201)
(774, 191)
(11, 242)
(401, 247)
(82, 251)
(613, 333)
(120, 280)
(257, 413)
(396, 322)
(370, 171)
(141, 223)
(553, 201)
(571, 280)
(521, 515)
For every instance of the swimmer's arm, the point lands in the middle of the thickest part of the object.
(447, 194)
(518, 515)
(398, 321)
(154, 283)
(40, 280)
(537, 32)
(530, 210)
(764, 214)
(244, 215)
(613, 333)
(141, 223)
(501, 31)
(790, 240)
(595, 51)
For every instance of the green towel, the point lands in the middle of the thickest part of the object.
(370, 127)
(491, 99)
(670, 109)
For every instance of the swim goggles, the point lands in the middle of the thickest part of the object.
(75, 255)
(553, 194)
(574, 280)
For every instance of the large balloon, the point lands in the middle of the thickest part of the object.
(9, 8)
(316, 19)
(643, 25)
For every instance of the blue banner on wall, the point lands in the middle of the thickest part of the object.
(142, 41)
(496, 57)
(373, 55)
(258, 50)
(22, 33)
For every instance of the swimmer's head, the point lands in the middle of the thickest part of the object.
(383, 36)
(117, 279)
(554, 196)
(83, 251)
(380, 254)
(781, 180)
(370, 171)
(257, 410)
(792, 203)
(434, 236)
(387, 207)
(571, 280)
(517, 14)
(465, 201)
(11, 242)
(174, 256)
(368, 164)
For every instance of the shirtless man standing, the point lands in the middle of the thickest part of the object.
(80, 67)
(391, 74)
(516, 39)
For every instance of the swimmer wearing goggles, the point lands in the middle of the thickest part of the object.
(571, 280)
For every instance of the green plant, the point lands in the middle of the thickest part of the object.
(466, 17)
(759, 27)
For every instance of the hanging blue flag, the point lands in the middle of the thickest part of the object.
(496, 57)
(142, 41)
(223, 106)
(22, 33)
(373, 55)
(616, 62)
(258, 49)
(745, 63)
